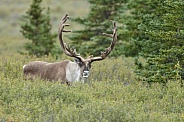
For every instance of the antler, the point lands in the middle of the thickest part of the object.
(66, 49)
(108, 50)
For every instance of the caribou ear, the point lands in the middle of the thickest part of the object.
(78, 61)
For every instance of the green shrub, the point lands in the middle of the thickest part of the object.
(112, 96)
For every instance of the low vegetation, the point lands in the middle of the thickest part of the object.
(110, 94)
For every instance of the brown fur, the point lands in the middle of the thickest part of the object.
(48, 71)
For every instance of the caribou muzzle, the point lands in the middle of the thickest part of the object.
(85, 74)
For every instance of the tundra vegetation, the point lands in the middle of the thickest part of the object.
(110, 94)
(113, 92)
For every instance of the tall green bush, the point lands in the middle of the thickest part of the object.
(160, 35)
(37, 28)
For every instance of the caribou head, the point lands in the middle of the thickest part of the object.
(67, 70)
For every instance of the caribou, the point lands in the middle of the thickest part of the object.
(67, 71)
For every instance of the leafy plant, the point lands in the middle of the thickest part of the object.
(108, 96)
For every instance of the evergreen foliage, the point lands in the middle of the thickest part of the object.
(90, 39)
(37, 28)
(160, 37)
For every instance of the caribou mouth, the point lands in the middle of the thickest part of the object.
(85, 74)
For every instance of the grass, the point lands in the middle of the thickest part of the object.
(110, 94)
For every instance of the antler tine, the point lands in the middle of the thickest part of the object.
(64, 18)
(66, 49)
(108, 50)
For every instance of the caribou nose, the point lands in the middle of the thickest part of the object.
(85, 74)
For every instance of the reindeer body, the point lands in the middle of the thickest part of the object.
(67, 70)
(58, 71)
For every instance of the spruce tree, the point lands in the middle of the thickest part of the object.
(90, 39)
(37, 28)
(162, 34)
